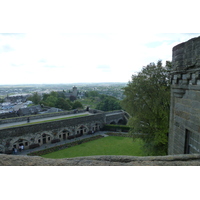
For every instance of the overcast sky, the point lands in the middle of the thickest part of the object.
(83, 42)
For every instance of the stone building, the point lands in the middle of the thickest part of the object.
(184, 132)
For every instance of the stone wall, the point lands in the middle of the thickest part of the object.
(115, 117)
(40, 116)
(179, 160)
(48, 131)
(184, 133)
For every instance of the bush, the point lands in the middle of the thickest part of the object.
(32, 146)
(55, 141)
(8, 152)
(89, 132)
(70, 137)
(111, 127)
(78, 135)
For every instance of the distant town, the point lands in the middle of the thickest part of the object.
(14, 98)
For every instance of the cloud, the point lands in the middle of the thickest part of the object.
(62, 58)
(104, 68)
(6, 48)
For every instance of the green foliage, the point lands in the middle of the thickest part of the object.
(35, 98)
(112, 127)
(51, 101)
(91, 94)
(108, 103)
(147, 101)
(77, 104)
(63, 103)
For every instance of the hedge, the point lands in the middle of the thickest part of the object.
(32, 146)
(112, 127)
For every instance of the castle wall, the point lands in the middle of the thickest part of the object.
(184, 133)
(44, 133)
(48, 132)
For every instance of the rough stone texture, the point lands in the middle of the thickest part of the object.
(29, 134)
(186, 55)
(178, 160)
(40, 116)
(184, 132)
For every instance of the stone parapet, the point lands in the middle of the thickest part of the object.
(177, 160)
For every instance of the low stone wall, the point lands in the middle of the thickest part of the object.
(39, 116)
(178, 160)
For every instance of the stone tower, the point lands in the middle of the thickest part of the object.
(74, 91)
(184, 132)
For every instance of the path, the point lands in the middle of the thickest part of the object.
(40, 120)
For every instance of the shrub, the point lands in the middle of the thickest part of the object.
(8, 152)
(112, 127)
(70, 137)
(32, 146)
(78, 135)
(55, 141)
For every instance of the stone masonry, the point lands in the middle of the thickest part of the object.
(184, 132)
(47, 132)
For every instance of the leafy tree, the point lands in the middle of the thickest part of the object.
(35, 98)
(147, 100)
(63, 104)
(45, 96)
(54, 94)
(1, 100)
(51, 101)
(108, 103)
(77, 104)
(91, 94)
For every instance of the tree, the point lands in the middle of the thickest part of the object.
(63, 104)
(35, 98)
(77, 104)
(51, 101)
(147, 100)
(108, 103)
(91, 94)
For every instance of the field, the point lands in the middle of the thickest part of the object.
(112, 145)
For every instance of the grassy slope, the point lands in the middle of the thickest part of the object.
(112, 145)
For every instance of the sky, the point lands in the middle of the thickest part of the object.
(78, 42)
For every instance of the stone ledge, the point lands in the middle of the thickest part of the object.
(170, 160)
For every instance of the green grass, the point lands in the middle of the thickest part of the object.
(112, 145)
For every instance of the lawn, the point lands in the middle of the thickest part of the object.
(111, 145)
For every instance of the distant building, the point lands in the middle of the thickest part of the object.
(72, 95)
(32, 110)
(16, 98)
